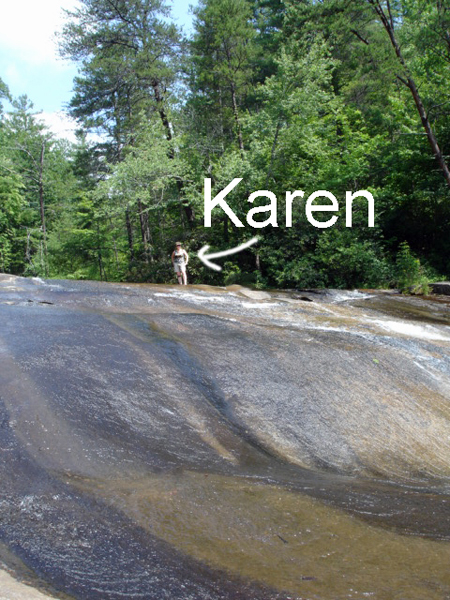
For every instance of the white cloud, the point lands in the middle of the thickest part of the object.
(28, 28)
(12, 75)
(60, 124)
(63, 127)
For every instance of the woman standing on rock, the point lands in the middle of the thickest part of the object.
(180, 260)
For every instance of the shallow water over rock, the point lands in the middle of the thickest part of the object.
(198, 442)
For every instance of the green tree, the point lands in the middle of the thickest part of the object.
(12, 205)
(44, 167)
(126, 51)
(28, 142)
(222, 50)
(404, 14)
(4, 94)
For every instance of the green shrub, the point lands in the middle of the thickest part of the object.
(411, 277)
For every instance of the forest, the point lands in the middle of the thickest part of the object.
(337, 95)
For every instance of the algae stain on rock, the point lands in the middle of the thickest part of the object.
(283, 539)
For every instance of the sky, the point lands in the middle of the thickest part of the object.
(29, 61)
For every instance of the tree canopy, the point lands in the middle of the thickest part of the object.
(335, 95)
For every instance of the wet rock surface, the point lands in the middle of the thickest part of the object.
(198, 442)
(441, 287)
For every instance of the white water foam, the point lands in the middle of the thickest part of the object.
(422, 332)
(200, 297)
(346, 296)
(40, 281)
(259, 304)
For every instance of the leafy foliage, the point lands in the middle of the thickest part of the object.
(308, 95)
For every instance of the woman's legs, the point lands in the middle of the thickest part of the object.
(180, 277)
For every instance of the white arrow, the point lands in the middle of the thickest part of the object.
(205, 259)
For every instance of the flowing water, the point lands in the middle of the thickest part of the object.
(207, 443)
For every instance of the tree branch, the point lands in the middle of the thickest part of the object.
(359, 36)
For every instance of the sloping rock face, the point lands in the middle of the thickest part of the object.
(153, 435)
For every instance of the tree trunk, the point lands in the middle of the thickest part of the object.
(188, 210)
(27, 249)
(161, 111)
(42, 206)
(100, 266)
(169, 135)
(272, 152)
(226, 236)
(429, 131)
(116, 255)
(145, 231)
(236, 118)
(129, 233)
(409, 82)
